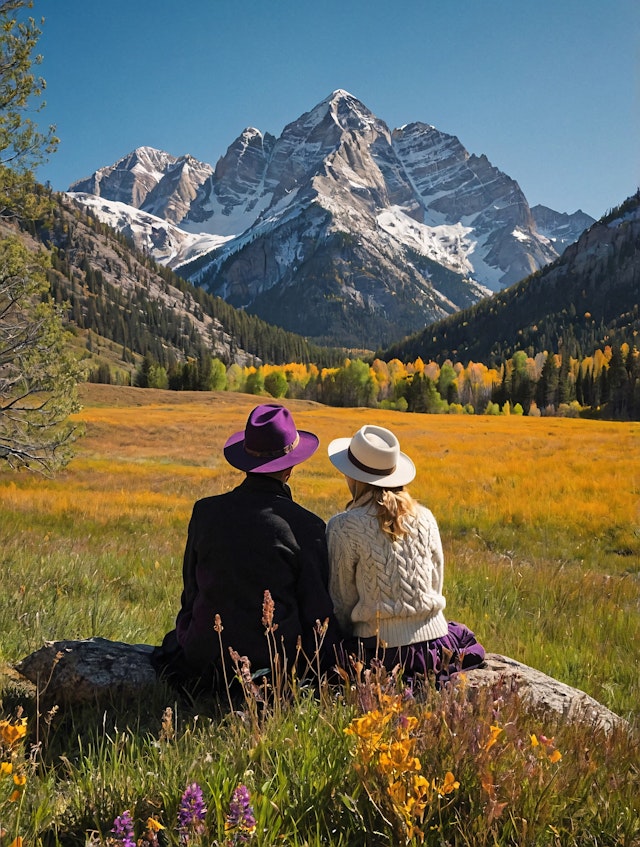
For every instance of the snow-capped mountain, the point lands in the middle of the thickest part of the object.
(339, 229)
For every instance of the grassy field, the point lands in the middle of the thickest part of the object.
(540, 520)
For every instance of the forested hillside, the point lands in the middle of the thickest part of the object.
(585, 300)
(137, 322)
(126, 306)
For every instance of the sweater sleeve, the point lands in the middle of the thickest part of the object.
(437, 554)
(342, 571)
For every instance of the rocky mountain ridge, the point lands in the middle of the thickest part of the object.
(340, 228)
(586, 299)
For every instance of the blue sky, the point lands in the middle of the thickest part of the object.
(548, 90)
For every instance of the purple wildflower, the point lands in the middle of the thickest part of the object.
(123, 830)
(240, 820)
(191, 813)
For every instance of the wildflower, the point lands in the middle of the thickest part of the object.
(6, 767)
(154, 835)
(243, 672)
(397, 758)
(167, 731)
(240, 822)
(12, 733)
(547, 749)
(450, 784)
(495, 732)
(268, 608)
(191, 813)
(123, 830)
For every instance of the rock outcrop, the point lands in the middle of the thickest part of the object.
(73, 672)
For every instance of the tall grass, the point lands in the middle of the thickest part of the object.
(541, 525)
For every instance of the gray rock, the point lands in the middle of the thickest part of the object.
(69, 672)
(541, 692)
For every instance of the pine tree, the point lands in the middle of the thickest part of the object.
(37, 376)
(22, 146)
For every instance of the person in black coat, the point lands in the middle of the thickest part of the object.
(241, 544)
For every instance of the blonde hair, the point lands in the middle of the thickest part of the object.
(394, 506)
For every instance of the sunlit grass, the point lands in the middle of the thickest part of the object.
(541, 528)
(540, 519)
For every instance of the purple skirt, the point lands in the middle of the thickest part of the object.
(440, 657)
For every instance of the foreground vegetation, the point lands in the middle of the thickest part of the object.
(541, 526)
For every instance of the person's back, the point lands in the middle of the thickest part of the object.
(248, 541)
(241, 544)
(397, 584)
(387, 564)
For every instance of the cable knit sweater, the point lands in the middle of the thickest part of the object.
(392, 589)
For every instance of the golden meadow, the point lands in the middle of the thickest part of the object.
(540, 523)
(540, 520)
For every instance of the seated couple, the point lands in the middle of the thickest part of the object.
(374, 573)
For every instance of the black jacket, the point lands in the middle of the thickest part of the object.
(240, 544)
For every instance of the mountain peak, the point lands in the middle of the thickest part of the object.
(348, 215)
(346, 111)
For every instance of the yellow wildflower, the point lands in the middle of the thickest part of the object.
(450, 784)
(495, 732)
(6, 767)
(534, 740)
(406, 726)
(555, 756)
(398, 757)
(392, 703)
(19, 779)
(369, 727)
(12, 733)
(398, 792)
(153, 825)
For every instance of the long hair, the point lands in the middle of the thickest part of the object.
(394, 506)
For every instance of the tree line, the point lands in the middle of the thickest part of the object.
(606, 384)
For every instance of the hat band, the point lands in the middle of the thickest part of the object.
(362, 467)
(273, 454)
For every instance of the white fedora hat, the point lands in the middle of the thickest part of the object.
(372, 455)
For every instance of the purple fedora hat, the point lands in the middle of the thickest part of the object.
(270, 442)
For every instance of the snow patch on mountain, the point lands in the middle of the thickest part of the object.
(167, 244)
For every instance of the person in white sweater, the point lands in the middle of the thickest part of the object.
(387, 566)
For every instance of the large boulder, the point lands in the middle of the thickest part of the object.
(540, 692)
(70, 672)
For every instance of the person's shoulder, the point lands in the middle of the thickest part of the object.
(206, 504)
(336, 520)
(348, 517)
(425, 515)
(306, 515)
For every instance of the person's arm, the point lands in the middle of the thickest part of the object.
(189, 583)
(437, 555)
(342, 573)
(314, 601)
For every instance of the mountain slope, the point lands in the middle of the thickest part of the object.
(587, 298)
(122, 305)
(340, 228)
